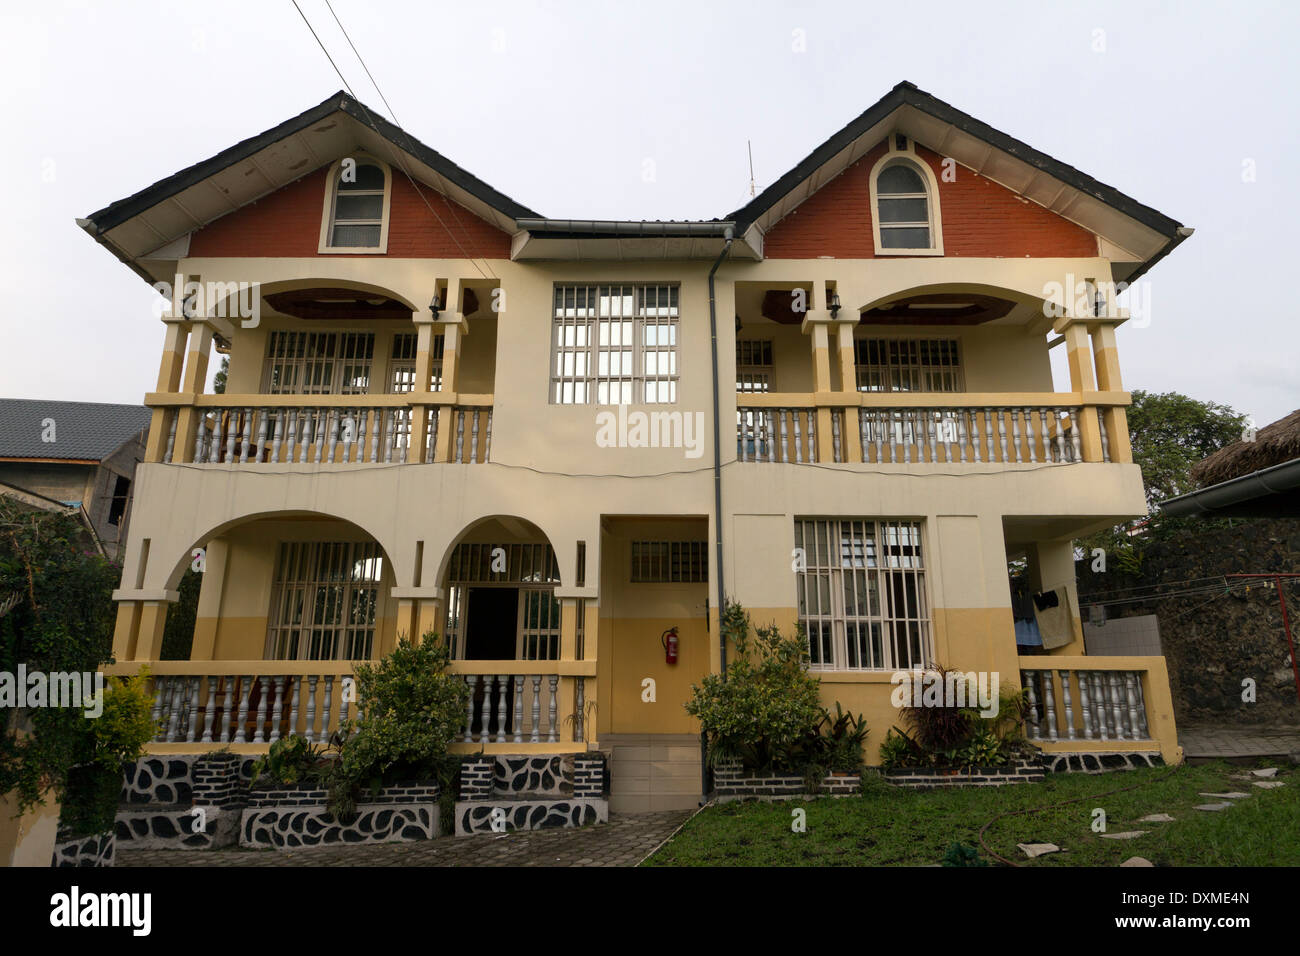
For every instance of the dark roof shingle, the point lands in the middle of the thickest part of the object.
(83, 431)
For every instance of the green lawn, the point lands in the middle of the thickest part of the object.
(889, 826)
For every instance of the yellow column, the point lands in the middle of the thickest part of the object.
(815, 326)
(1106, 356)
(1078, 354)
(196, 374)
(1051, 564)
(423, 415)
(169, 381)
(851, 436)
(454, 329)
(125, 630)
(211, 594)
(153, 618)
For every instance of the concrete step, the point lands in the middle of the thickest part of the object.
(650, 772)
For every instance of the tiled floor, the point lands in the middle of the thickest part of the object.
(1209, 741)
(625, 841)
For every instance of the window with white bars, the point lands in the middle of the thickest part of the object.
(908, 365)
(862, 594)
(614, 345)
(903, 207)
(670, 562)
(318, 363)
(357, 217)
(401, 367)
(539, 625)
(753, 365)
(325, 601)
(532, 568)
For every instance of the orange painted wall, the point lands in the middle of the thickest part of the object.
(980, 218)
(287, 223)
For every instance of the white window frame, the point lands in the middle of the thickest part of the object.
(865, 636)
(576, 335)
(908, 156)
(331, 195)
(299, 575)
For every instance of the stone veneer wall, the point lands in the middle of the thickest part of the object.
(280, 819)
(94, 850)
(503, 792)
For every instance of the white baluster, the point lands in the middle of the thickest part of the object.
(1031, 680)
(1113, 681)
(485, 714)
(209, 711)
(1132, 703)
(312, 680)
(278, 435)
(1099, 704)
(172, 417)
(1069, 709)
(275, 711)
(471, 680)
(1029, 433)
(295, 698)
(519, 708)
(1049, 704)
(327, 704)
(1074, 434)
(578, 691)
(258, 733)
(245, 691)
(502, 729)
(1085, 705)
(537, 710)
(552, 735)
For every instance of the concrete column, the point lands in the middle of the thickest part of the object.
(196, 373)
(211, 598)
(851, 438)
(1079, 357)
(153, 619)
(1106, 357)
(1051, 564)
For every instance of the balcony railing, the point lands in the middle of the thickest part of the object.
(915, 428)
(1084, 703)
(512, 703)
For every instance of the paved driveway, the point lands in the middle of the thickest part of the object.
(625, 841)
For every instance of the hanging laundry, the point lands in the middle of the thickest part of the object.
(1053, 610)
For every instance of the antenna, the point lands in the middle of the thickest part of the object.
(750, 146)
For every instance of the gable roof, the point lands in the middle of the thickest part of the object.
(1143, 232)
(150, 220)
(84, 431)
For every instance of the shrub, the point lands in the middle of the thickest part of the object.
(290, 760)
(413, 709)
(766, 704)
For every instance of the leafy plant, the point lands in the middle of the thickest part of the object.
(766, 704)
(959, 854)
(898, 750)
(288, 761)
(413, 709)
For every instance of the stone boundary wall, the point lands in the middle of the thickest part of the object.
(731, 782)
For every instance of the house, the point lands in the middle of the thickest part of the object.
(562, 442)
(1257, 477)
(74, 455)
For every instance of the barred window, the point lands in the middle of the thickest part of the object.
(670, 562)
(908, 365)
(861, 593)
(614, 345)
(401, 368)
(318, 363)
(325, 601)
(753, 365)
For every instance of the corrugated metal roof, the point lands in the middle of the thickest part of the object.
(83, 431)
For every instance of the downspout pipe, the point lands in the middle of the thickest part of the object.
(729, 236)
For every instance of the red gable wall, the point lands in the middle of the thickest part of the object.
(979, 218)
(287, 223)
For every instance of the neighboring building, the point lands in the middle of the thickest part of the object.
(1257, 477)
(419, 433)
(75, 455)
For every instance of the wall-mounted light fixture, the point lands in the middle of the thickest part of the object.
(436, 305)
(833, 300)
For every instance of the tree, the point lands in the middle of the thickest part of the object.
(219, 379)
(1170, 433)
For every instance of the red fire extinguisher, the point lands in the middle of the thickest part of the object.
(669, 640)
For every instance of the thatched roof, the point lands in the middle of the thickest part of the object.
(1273, 445)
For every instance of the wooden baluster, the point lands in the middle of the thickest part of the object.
(332, 422)
(578, 691)
(1085, 705)
(1074, 434)
(1132, 704)
(502, 730)
(519, 708)
(1118, 717)
(312, 680)
(161, 687)
(278, 689)
(535, 736)
(259, 735)
(209, 711)
(1069, 707)
(241, 727)
(263, 420)
(326, 705)
(472, 681)
(1028, 414)
(552, 735)
(246, 441)
(1031, 679)
(172, 417)
(1049, 704)
(278, 435)
(295, 698)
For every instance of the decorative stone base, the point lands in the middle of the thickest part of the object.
(1029, 770)
(94, 850)
(1101, 762)
(501, 816)
(168, 828)
(730, 783)
(286, 826)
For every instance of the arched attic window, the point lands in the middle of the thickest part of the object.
(356, 207)
(905, 206)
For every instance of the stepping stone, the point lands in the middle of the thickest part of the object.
(1126, 835)
(1156, 818)
(1137, 861)
(1032, 850)
(1269, 784)
(1234, 795)
(1213, 806)
(1269, 772)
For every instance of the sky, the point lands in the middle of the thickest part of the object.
(1190, 108)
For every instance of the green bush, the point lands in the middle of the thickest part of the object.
(413, 709)
(767, 704)
(290, 760)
